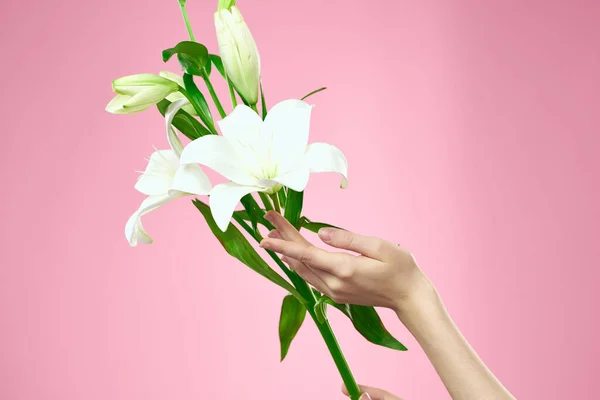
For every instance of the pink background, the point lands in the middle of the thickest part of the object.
(471, 128)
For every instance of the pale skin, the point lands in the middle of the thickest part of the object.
(380, 273)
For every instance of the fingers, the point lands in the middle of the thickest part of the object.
(371, 393)
(366, 245)
(308, 274)
(285, 229)
(305, 253)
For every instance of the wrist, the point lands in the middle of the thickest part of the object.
(421, 302)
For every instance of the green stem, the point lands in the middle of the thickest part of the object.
(253, 106)
(186, 19)
(213, 94)
(266, 201)
(276, 202)
(338, 356)
(232, 93)
(324, 327)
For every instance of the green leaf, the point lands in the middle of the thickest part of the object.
(293, 207)
(236, 245)
(367, 322)
(199, 102)
(314, 226)
(313, 92)
(218, 63)
(184, 122)
(262, 102)
(248, 203)
(282, 196)
(290, 321)
(192, 56)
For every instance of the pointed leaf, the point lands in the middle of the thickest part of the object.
(236, 245)
(262, 102)
(367, 322)
(192, 56)
(293, 207)
(290, 321)
(184, 122)
(314, 226)
(199, 102)
(218, 63)
(251, 212)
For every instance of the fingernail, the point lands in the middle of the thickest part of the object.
(263, 243)
(273, 234)
(325, 233)
(269, 216)
(285, 259)
(365, 396)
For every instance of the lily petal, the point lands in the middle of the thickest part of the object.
(223, 199)
(288, 124)
(134, 231)
(219, 154)
(116, 105)
(190, 179)
(148, 97)
(158, 176)
(323, 157)
(171, 133)
(241, 125)
(295, 179)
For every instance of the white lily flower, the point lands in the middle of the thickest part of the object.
(136, 93)
(178, 95)
(165, 179)
(262, 156)
(239, 52)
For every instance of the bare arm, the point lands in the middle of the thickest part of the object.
(385, 275)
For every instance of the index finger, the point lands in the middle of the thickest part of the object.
(286, 229)
(305, 253)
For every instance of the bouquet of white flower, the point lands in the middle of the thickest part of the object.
(265, 153)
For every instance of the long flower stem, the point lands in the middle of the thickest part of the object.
(186, 19)
(232, 93)
(213, 94)
(338, 356)
(324, 327)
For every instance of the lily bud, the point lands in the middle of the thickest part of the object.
(136, 93)
(173, 97)
(238, 52)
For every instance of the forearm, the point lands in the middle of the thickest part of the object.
(463, 373)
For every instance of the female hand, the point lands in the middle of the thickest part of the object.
(382, 274)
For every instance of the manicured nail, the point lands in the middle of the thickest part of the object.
(270, 215)
(273, 234)
(365, 396)
(325, 233)
(263, 243)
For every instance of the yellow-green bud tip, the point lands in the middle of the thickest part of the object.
(226, 4)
